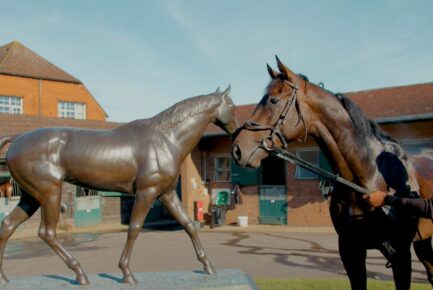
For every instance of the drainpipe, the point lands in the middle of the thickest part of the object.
(40, 98)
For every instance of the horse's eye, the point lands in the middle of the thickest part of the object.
(274, 101)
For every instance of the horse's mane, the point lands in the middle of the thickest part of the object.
(180, 112)
(363, 126)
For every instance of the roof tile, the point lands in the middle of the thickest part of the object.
(18, 60)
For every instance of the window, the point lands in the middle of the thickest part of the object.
(311, 156)
(222, 169)
(11, 105)
(416, 146)
(203, 169)
(72, 110)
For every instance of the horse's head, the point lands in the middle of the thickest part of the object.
(276, 120)
(225, 113)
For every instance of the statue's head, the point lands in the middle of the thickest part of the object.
(225, 113)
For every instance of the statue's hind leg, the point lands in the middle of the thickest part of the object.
(22, 212)
(171, 201)
(424, 252)
(50, 211)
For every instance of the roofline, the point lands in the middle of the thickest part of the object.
(96, 101)
(78, 82)
(387, 88)
(405, 119)
(384, 121)
(19, 44)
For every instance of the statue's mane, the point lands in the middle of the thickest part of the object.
(180, 111)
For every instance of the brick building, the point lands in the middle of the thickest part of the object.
(35, 93)
(282, 193)
(31, 85)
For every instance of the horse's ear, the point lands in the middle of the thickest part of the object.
(271, 72)
(284, 69)
(218, 90)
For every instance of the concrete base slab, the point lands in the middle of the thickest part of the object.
(226, 279)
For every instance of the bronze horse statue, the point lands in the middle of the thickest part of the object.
(142, 158)
(358, 150)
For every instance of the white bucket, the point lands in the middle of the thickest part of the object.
(243, 221)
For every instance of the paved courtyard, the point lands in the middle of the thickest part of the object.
(274, 253)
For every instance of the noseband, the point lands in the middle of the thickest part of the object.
(268, 142)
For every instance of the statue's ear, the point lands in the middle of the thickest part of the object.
(227, 91)
(285, 70)
(271, 72)
(218, 90)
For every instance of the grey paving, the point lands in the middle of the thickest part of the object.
(227, 279)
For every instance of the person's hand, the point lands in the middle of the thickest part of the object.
(375, 199)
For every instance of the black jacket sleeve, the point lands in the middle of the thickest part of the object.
(418, 206)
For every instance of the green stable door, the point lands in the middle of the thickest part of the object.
(87, 207)
(270, 179)
(273, 205)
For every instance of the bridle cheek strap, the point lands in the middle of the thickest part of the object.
(275, 130)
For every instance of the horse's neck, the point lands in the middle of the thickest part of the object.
(186, 135)
(353, 160)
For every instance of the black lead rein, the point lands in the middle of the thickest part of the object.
(283, 154)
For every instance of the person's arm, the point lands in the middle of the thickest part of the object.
(419, 206)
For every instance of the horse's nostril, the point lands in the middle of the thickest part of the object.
(237, 152)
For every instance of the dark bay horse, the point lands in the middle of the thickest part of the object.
(359, 151)
(142, 157)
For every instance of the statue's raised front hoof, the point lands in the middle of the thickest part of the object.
(130, 279)
(83, 280)
(210, 270)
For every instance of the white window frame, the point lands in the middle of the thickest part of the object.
(74, 110)
(11, 104)
(299, 171)
(216, 169)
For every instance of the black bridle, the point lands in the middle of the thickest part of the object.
(268, 142)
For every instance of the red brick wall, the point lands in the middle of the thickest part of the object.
(43, 96)
(306, 205)
(408, 131)
(110, 209)
(249, 206)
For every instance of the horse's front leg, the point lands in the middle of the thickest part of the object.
(142, 204)
(402, 267)
(172, 203)
(353, 256)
